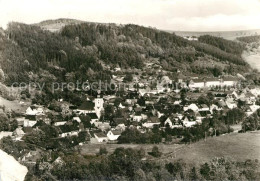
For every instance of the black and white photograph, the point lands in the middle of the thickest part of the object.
(129, 90)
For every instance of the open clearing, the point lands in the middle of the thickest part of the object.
(236, 146)
(13, 105)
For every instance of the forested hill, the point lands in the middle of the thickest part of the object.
(30, 52)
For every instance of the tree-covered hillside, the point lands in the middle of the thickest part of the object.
(79, 49)
(249, 39)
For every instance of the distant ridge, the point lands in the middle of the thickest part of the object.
(230, 35)
(57, 24)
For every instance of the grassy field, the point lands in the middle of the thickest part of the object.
(236, 146)
(13, 105)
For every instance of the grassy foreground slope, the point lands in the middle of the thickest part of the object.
(236, 146)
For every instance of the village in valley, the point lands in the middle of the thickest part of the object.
(148, 103)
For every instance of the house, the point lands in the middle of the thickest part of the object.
(93, 117)
(177, 102)
(160, 113)
(231, 104)
(151, 122)
(203, 114)
(215, 107)
(86, 107)
(117, 69)
(220, 95)
(59, 123)
(118, 121)
(20, 121)
(255, 91)
(102, 125)
(58, 161)
(120, 127)
(212, 82)
(250, 98)
(196, 83)
(121, 106)
(188, 122)
(229, 81)
(137, 117)
(76, 119)
(251, 109)
(69, 133)
(173, 122)
(113, 134)
(29, 123)
(192, 107)
(101, 137)
(33, 110)
(203, 107)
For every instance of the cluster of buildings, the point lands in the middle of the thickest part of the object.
(143, 108)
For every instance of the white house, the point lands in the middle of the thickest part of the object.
(101, 137)
(32, 111)
(192, 106)
(121, 106)
(151, 122)
(102, 125)
(251, 109)
(231, 104)
(203, 107)
(18, 133)
(71, 133)
(168, 121)
(188, 123)
(60, 123)
(215, 107)
(196, 83)
(76, 119)
(137, 117)
(29, 123)
(229, 81)
(212, 82)
(173, 122)
(113, 134)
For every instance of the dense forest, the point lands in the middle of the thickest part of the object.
(77, 51)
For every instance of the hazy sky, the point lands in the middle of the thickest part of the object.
(186, 15)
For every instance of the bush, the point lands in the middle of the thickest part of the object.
(155, 152)
(103, 151)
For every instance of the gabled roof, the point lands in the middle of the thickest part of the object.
(116, 132)
(119, 120)
(87, 105)
(138, 109)
(153, 119)
(230, 79)
(92, 115)
(204, 113)
(31, 117)
(100, 135)
(212, 79)
(203, 106)
(197, 80)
